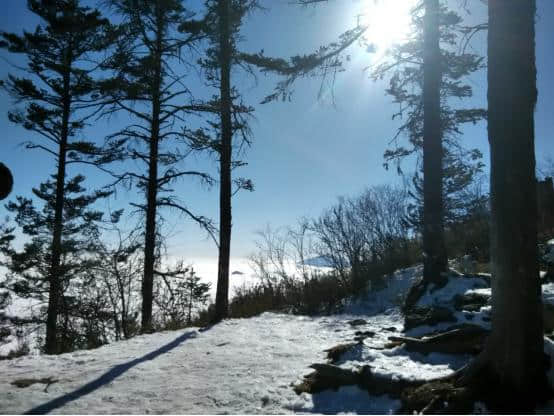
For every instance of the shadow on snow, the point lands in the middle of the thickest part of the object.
(107, 377)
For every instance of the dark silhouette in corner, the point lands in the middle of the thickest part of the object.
(107, 377)
(6, 181)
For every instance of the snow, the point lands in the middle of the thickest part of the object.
(455, 286)
(389, 298)
(347, 400)
(22, 308)
(243, 365)
(238, 366)
(547, 293)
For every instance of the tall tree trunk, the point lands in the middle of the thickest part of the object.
(55, 284)
(435, 261)
(516, 343)
(152, 185)
(150, 235)
(225, 219)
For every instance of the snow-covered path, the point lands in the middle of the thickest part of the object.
(239, 366)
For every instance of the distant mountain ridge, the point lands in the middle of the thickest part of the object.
(319, 261)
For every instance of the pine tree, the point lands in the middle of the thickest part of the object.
(427, 72)
(58, 93)
(147, 86)
(229, 128)
(197, 293)
(30, 274)
(223, 22)
(178, 294)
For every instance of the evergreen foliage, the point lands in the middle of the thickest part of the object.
(405, 66)
(179, 296)
(148, 83)
(58, 94)
(29, 273)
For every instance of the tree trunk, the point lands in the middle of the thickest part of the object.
(189, 316)
(152, 186)
(55, 283)
(225, 219)
(435, 261)
(516, 344)
(150, 235)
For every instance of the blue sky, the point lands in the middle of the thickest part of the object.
(304, 153)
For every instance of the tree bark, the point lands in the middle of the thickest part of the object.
(55, 284)
(150, 232)
(152, 185)
(515, 348)
(435, 261)
(225, 218)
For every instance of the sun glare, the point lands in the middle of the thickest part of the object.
(388, 22)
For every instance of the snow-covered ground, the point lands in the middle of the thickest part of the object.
(28, 333)
(239, 366)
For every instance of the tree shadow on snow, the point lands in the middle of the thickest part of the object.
(107, 377)
(352, 399)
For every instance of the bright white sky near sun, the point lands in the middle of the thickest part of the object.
(306, 152)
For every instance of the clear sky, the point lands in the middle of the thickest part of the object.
(306, 152)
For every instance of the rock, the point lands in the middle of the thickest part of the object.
(390, 329)
(26, 382)
(335, 353)
(361, 335)
(473, 307)
(437, 397)
(326, 376)
(357, 322)
(418, 316)
(364, 334)
(379, 384)
(472, 301)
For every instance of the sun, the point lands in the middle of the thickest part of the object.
(388, 22)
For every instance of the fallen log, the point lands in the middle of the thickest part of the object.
(468, 339)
